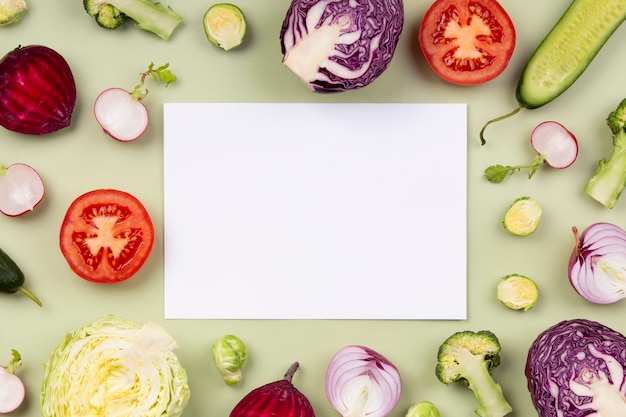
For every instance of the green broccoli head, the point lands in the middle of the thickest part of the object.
(107, 16)
(609, 180)
(467, 358)
(617, 118)
(463, 349)
(147, 15)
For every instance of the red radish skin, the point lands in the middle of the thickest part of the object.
(21, 189)
(12, 390)
(37, 91)
(120, 115)
(278, 398)
(557, 144)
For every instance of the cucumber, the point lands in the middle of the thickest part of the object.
(568, 49)
(12, 278)
(565, 52)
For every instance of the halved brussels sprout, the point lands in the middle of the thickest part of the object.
(517, 292)
(523, 216)
(225, 25)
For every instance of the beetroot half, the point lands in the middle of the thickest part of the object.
(278, 398)
(37, 90)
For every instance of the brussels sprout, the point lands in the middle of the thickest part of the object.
(423, 409)
(518, 292)
(230, 355)
(523, 216)
(225, 25)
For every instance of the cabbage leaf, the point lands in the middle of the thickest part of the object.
(114, 367)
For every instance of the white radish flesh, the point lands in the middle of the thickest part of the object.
(120, 115)
(12, 391)
(558, 145)
(21, 189)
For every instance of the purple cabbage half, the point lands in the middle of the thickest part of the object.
(340, 45)
(576, 368)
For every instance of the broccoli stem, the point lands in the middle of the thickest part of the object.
(149, 16)
(607, 184)
(488, 392)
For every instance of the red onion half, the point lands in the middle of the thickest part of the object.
(361, 382)
(597, 266)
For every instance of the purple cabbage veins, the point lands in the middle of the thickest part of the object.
(576, 368)
(340, 45)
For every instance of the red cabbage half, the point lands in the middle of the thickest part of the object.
(340, 45)
(576, 368)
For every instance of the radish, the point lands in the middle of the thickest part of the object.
(21, 189)
(37, 91)
(555, 146)
(12, 391)
(121, 114)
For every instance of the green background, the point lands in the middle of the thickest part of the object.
(81, 158)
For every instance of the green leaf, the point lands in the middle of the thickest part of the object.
(497, 173)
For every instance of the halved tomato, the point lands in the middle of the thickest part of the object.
(106, 236)
(467, 42)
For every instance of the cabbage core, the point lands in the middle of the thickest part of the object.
(340, 45)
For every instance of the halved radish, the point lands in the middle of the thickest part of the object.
(558, 145)
(12, 391)
(21, 189)
(121, 114)
(555, 146)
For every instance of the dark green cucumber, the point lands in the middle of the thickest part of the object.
(565, 52)
(12, 278)
(568, 49)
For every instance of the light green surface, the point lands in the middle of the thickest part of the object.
(82, 158)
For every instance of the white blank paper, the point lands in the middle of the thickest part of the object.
(315, 211)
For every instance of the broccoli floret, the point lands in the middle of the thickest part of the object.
(608, 182)
(149, 16)
(467, 358)
(10, 11)
(109, 17)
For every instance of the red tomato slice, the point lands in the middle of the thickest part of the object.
(467, 42)
(106, 236)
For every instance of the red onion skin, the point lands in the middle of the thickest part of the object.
(354, 360)
(37, 91)
(276, 399)
(598, 239)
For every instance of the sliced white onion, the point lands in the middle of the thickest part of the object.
(361, 382)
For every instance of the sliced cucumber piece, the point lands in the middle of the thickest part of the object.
(225, 25)
(568, 49)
